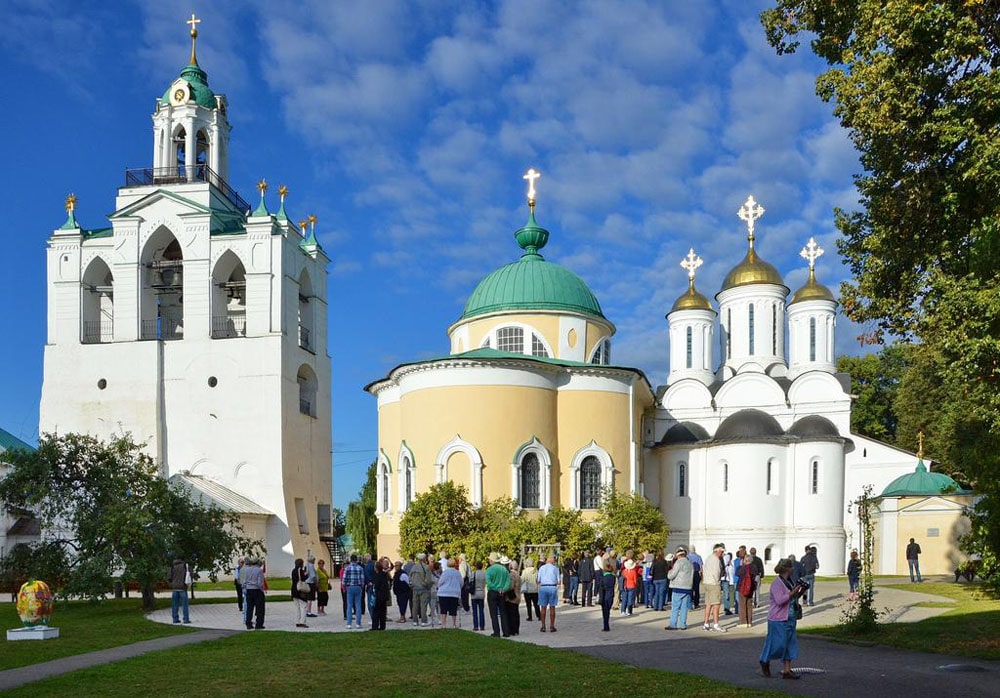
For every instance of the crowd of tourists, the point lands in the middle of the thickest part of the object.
(431, 592)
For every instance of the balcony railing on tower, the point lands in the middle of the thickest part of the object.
(305, 338)
(230, 325)
(98, 331)
(148, 176)
(163, 327)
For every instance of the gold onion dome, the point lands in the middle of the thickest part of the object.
(752, 270)
(692, 300)
(812, 290)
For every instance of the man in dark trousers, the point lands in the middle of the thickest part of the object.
(586, 571)
(810, 563)
(253, 587)
(497, 583)
(912, 560)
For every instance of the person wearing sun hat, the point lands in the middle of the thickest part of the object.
(497, 583)
(631, 573)
(681, 576)
(711, 588)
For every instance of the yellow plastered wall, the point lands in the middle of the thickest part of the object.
(497, 420)
(940, 554)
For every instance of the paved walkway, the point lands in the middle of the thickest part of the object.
(828, 668)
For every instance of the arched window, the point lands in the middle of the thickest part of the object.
(682, 488)
(201, 156)
(750, 322)
(510, 339)
(590, 483)
(725, 477)
(306, 339)
(602, 353)
(308, 386)
(408, 478)
(383, 486)
(229, 294)
(774, 330)
(538, 347)
(772, 476)
(812, 339)
(98, 304)
(689, 346)
(729, 339)
(814, 478)
(180, 151)
(161, 306)
(530, 485)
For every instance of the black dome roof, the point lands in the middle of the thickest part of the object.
(747, 425)
(813, 426)
(684, 433)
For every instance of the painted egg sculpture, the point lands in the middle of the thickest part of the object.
(34, 603)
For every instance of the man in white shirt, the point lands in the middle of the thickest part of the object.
(548, 584)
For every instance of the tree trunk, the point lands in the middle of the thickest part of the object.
(148, 600)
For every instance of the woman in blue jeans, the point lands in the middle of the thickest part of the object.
(478, 598)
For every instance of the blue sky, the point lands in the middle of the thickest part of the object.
(406, 127)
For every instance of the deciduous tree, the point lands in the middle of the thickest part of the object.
(106, 506)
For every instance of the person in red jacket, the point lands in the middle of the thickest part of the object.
(631, 574)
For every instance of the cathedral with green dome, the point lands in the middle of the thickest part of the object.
(748, 442)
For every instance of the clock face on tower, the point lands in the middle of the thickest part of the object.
(179, 95)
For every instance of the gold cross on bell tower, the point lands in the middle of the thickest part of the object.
(194, 22)
(750, 211)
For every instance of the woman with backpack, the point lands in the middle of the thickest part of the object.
(745, 586)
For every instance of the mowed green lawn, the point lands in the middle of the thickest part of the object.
(83, 627)
(367, 664)
(970, 628)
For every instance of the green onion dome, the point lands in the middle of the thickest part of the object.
(531, 283)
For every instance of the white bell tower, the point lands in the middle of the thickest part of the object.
(199, 327)
(190, 128)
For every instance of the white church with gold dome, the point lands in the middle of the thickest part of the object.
(748, 443)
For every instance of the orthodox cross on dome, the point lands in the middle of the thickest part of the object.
(920, 445)
(302, 225)
(282, 193)
(71, 204)
(262, 186)
(194, 22)
(691, 264)
(531, 175)
(750, 211)
(811, 252)
(312, 222)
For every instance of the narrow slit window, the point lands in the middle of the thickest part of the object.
(750, 323)
(812, 339)
(814, 478)
(682, 480)
(690, 342)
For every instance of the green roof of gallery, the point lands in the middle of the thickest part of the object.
(532, 283)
